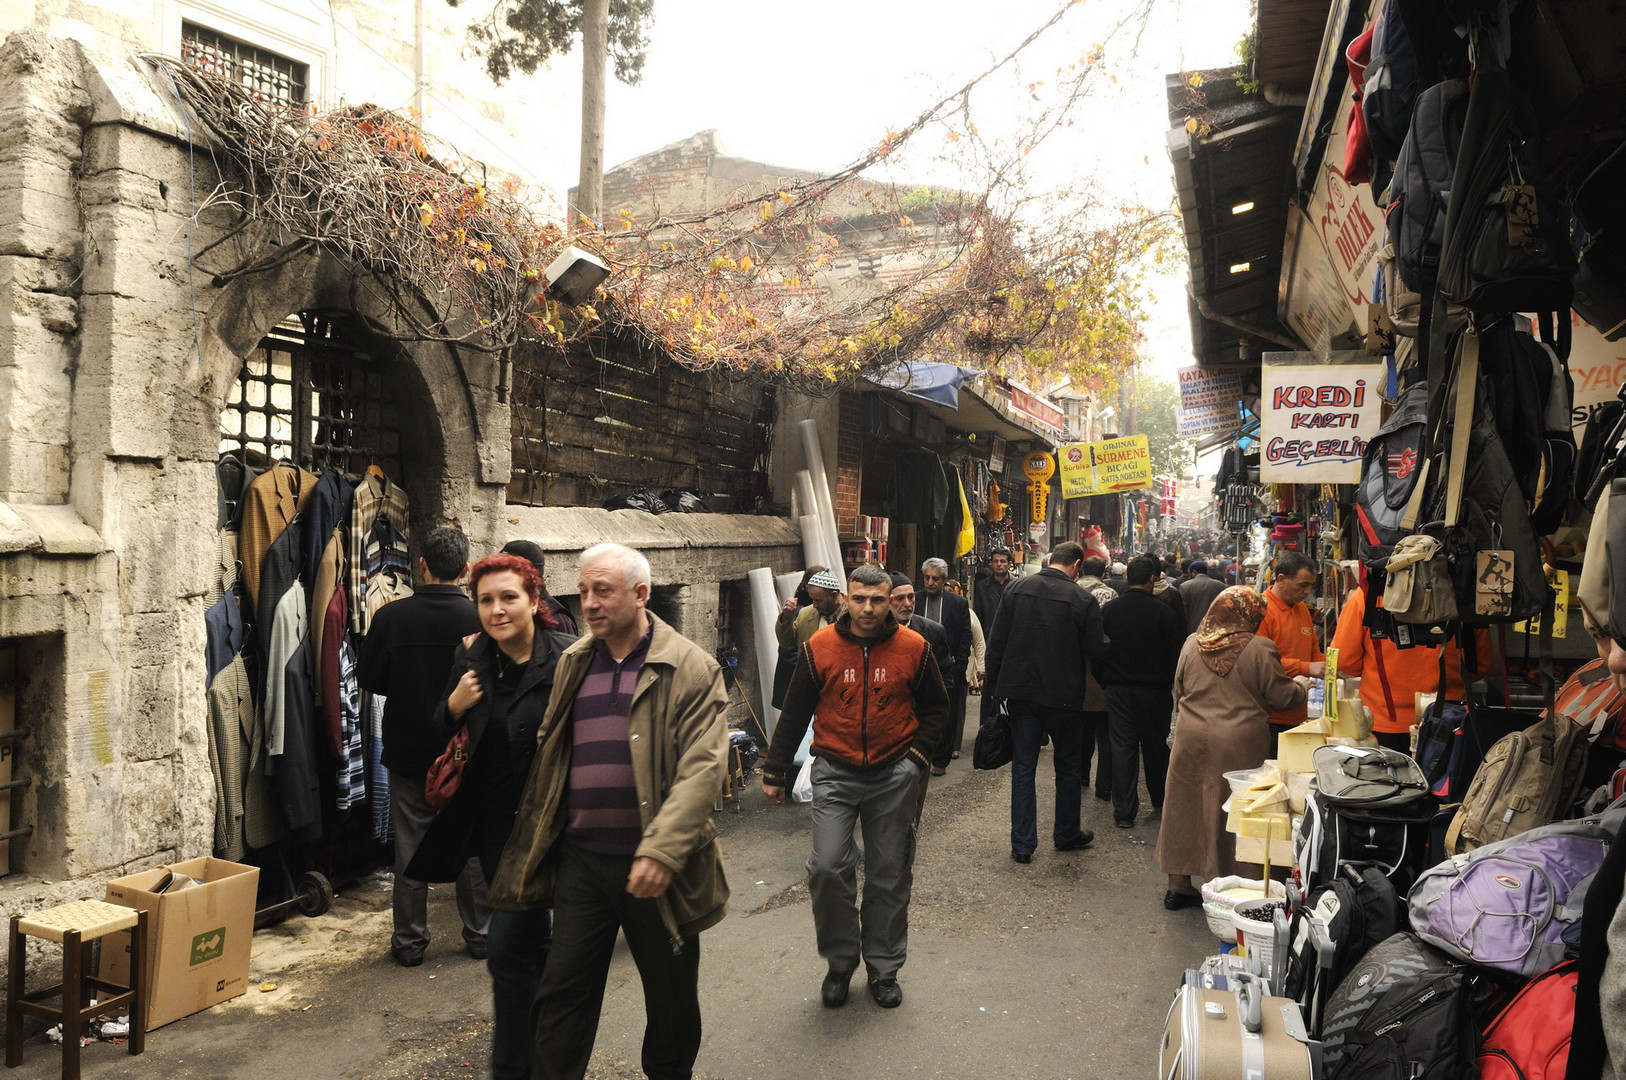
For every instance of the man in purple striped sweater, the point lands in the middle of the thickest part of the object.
(615, 830)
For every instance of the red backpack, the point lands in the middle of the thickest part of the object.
(1530, 1039)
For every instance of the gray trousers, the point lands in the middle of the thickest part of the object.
(411, 815)
(885, 803)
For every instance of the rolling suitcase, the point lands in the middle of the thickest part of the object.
(1231, 1034)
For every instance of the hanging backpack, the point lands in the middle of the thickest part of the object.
(1506, 248)
(1390, 89)
(1598, 235)
(1529, 393)
(1403, 1011)
(1422, 182)
(1391, 469)
(1530, 1038)
(1419, 582)
(1507, 905)
(1529, 778)
(1496, 560)
(1357, 145)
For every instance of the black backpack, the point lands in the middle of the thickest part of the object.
(1404, 1011)
(1506, 247)
(1359, 908)
(1422, 181)
(1598, 235)
(1476, 494)
(1391, 468)
(1529, 391)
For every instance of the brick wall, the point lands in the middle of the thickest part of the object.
(849, 462)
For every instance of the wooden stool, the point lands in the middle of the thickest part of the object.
(75, 926)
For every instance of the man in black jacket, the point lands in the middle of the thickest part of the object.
(532, 553)
(1047, 631)
(407, 657)
(936, 602)
(1144, 638)
(904, 602)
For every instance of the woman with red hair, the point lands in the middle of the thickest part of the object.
(501, 680)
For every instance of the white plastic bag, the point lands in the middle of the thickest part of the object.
(802, 790)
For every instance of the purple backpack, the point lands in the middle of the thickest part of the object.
(1507, 905)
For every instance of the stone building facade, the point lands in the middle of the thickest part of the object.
(117, 362)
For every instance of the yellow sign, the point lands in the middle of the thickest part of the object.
(1105, 468)
(1038, 466)
(1560, 581)
(1329, 688)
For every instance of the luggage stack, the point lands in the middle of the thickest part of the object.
(1388, 961)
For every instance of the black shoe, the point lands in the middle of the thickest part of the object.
(1085, 840)
(1174, 901)
(1020, 857)
(477, 949)
(834, 991)
(1122, 824)
(407, 959)
(886, 992)
(1104, 796)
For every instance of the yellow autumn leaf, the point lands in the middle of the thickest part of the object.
(767, 211)
(745, 264)
(1196, 78)
(1191, 125)
(426, 214)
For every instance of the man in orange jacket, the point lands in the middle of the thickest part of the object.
(1289, 623)
(1391, 677)
(881, 710)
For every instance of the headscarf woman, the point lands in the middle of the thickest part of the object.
(1226, 684)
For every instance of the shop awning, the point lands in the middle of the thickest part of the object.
(930, 381)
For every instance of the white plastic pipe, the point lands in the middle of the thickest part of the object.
(821, 555)
(785, 586)
(813, 543)
(764, 610)
(814, 452)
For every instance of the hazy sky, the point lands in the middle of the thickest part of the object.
(816, 86)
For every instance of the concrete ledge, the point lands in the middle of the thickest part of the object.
(575, 528)
(55, 530)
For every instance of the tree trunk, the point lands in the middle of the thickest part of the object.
(595, 55)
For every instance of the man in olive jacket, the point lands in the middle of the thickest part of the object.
(615, 828)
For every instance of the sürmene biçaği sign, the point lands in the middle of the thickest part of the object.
(1316, 419)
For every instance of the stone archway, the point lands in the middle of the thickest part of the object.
(459, 429)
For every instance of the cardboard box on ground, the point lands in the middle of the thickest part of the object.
(201, 930)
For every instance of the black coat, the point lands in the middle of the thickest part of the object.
(407, 656)
(956, 619)
(450, 841)
(1144, 638)
(937, 637)
(1046, 631)
(986, 596)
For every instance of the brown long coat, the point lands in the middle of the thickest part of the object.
(1223, 725)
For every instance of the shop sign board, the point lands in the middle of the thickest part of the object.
(1106, 467)
(1208, 400)
(1316, 418)
(1331, 251)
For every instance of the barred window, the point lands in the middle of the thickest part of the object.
(270, 77)
(311, 395)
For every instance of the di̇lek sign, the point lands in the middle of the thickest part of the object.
(1316, 418)
(1106, 467)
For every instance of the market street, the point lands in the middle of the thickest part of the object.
(1060, 969)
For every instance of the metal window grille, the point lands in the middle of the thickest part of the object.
(311, 395)
(269, 76)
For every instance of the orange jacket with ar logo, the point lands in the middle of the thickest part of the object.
(870, 700)
(1293, 631)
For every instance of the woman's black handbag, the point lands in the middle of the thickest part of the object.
(992, 750)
